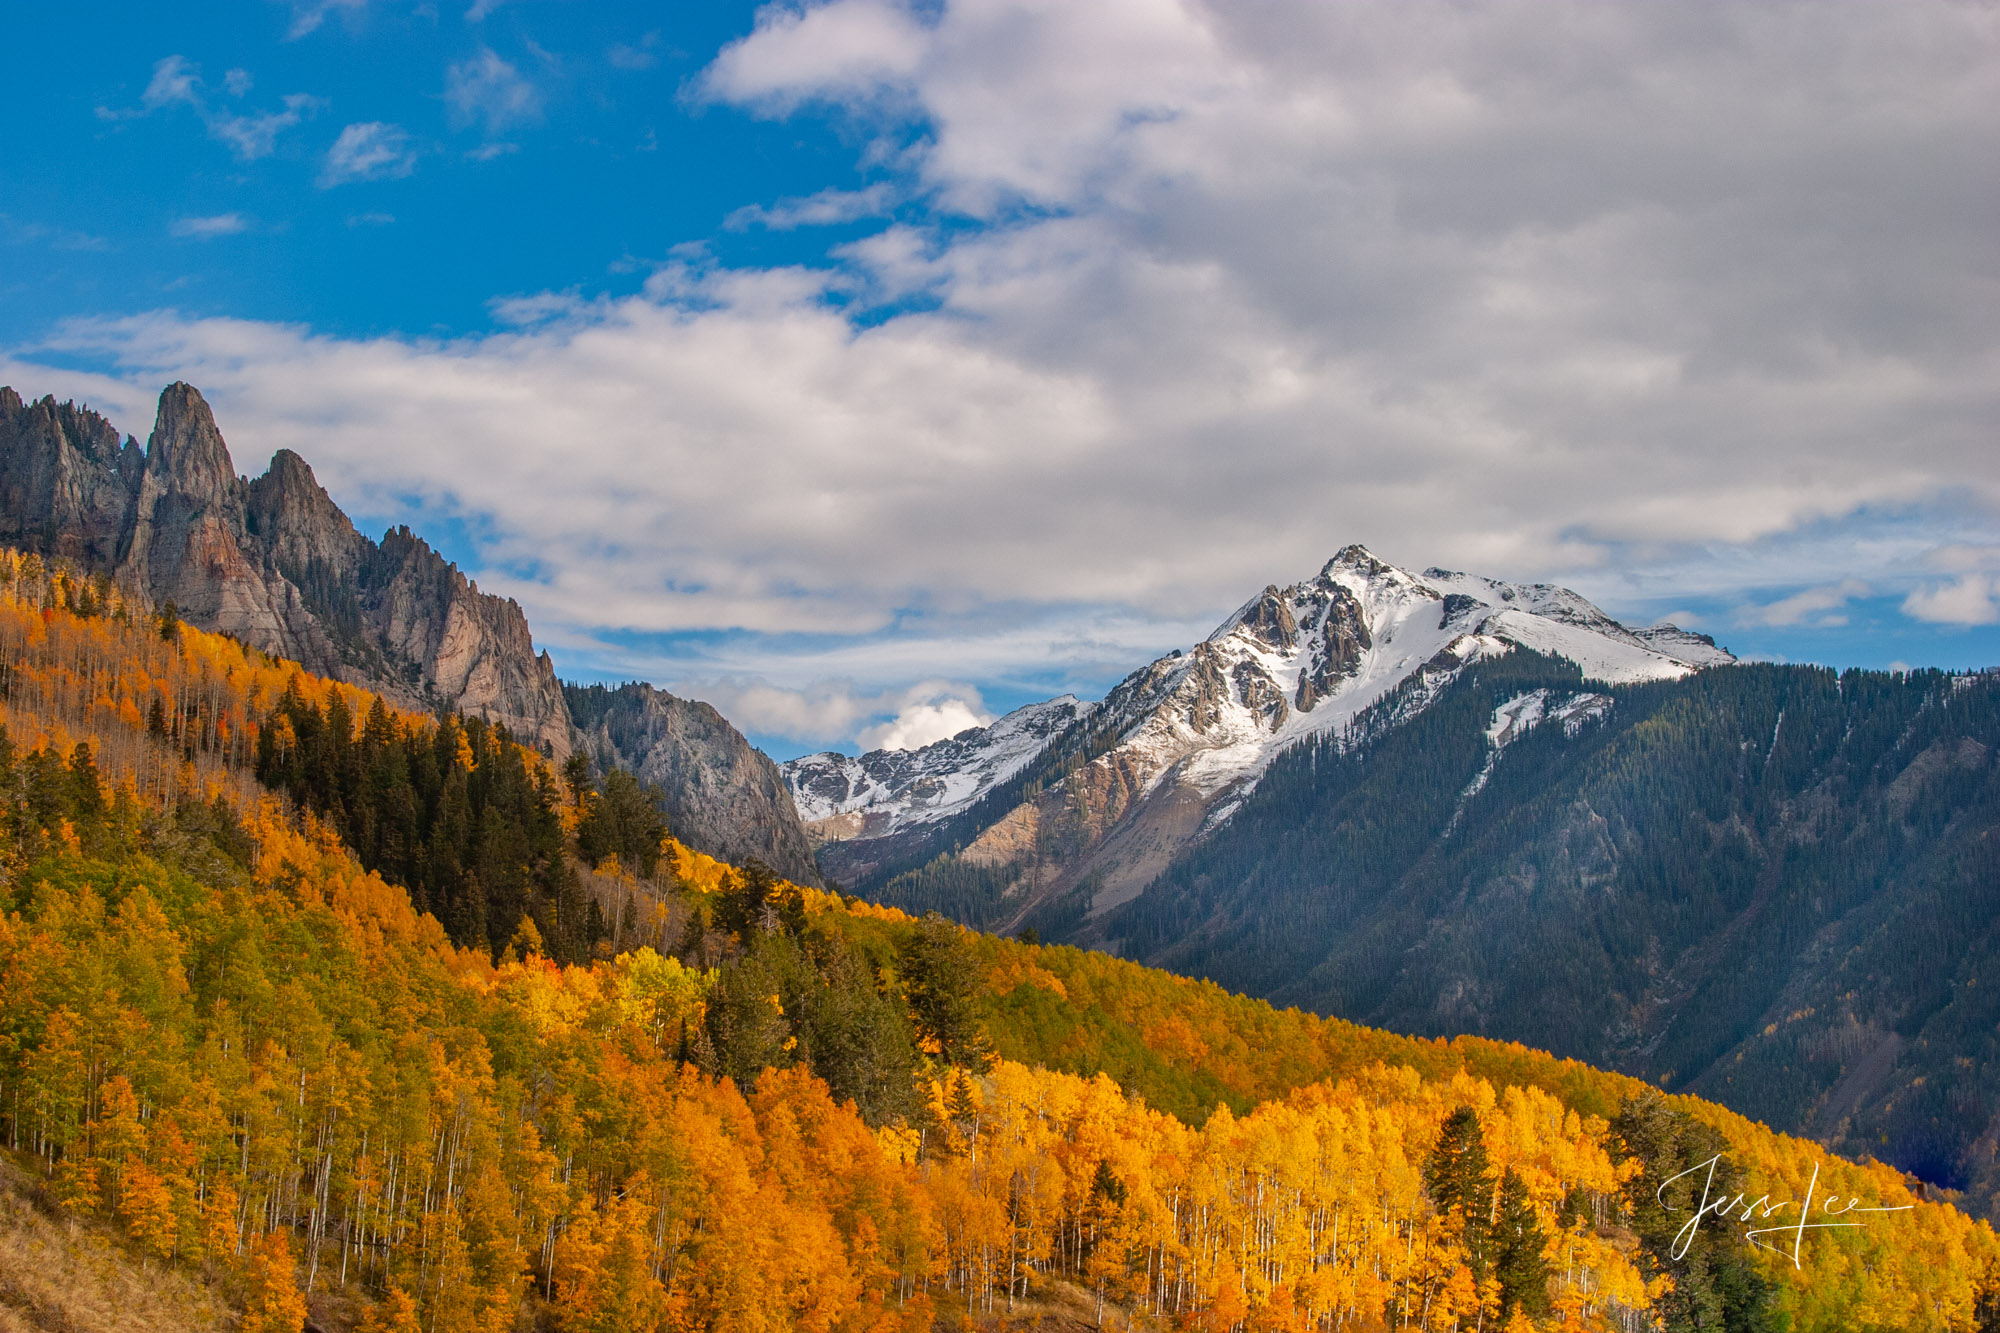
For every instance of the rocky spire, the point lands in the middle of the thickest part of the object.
(186, 450)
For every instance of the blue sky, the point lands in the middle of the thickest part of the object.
(870, 368)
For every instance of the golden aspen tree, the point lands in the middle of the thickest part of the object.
(273, 1302)
(147, 1207)
(396, 1312)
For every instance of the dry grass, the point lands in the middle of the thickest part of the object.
(1055, 1307)
(59, 1276)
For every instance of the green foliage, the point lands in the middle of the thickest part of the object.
(814, 1002)
(1517, 1239)
(622, 818)
(1460, 1184)
(941, 977)
(1715, 1284)
(755, 900)
(452, 810)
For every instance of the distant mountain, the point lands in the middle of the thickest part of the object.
(1120, 787)
(274, 563)
(887, 791)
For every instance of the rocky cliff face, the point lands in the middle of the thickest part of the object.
(722, 796)
(275, 563)
(272, 562)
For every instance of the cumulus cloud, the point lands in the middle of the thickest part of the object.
(1821, 607)
(485, 90)
(202, 229)
(838, 711)
(249, 134)
(919, 724)
(370, 150)
(1199, 293)
(835, 51)
(1971, 598)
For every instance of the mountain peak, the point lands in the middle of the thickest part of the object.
(1358, 559)
(186, 447)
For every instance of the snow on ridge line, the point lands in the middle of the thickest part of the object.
(929, 783)
(1288, 664)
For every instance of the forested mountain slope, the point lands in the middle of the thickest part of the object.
(279, 1079)
(1773, 886)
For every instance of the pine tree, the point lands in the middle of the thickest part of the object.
(1461, 1185)
(1516, 1251)
(941, 978)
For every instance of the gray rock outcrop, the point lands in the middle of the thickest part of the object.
(271, 562)
(274, 563)
(721, 796)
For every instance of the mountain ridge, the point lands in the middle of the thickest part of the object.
(275, 563)
(1195, 728)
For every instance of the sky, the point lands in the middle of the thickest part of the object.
(870, 368)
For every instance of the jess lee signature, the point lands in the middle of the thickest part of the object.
(1763, 1209)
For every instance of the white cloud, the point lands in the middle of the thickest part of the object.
(370, 150)
(255, 136)
(484, 89)
(1972, 598)
(919, 724)
(824, 209)
(308, 15)
(202, 229)
(249, 135)
(1573, 291)
(1820, 608)
(837, 50)
(838, 711)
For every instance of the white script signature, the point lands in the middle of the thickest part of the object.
(1763, 1210)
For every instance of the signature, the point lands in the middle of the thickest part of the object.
(1764, 1209)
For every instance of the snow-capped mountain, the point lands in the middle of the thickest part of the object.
(885, 791)
(1310, 658)
(1290, 663)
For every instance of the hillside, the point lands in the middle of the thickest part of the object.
(275, 564)
(283, 1083)
(1771, 886)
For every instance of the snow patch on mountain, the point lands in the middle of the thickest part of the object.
(1515, 718)
(886, 790)
(1309, 659)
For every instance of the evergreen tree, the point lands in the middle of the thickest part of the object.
(1516, 1251)
(1715, 1285)
(941, 979)
(1461, 1185)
